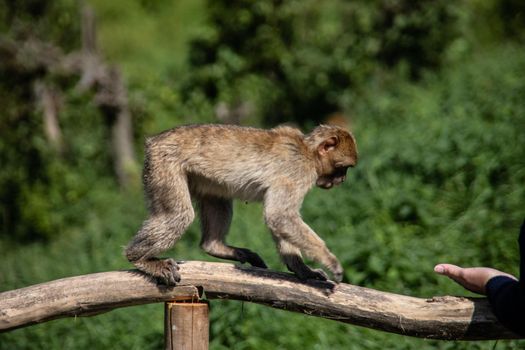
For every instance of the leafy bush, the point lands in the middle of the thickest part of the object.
(56, 21)
(293, 59)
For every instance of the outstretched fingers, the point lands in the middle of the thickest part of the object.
(453, 271)
(471, 278)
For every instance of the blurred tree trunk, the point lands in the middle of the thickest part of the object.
(37, 61)
(111, 97)
(50, 100)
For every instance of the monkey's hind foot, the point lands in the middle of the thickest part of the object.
(166, 271)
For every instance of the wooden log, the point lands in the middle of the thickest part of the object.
(450, 318)
(186, 326)
(441, 317)
(85, 295)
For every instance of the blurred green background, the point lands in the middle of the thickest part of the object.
(433, 90)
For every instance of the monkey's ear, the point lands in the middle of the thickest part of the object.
(327, 145)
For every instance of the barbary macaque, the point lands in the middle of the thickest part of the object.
(212, 164)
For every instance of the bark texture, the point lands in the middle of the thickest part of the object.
(442, 317)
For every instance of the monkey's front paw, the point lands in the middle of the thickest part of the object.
(312, 274)
(245, 255)
(319, 274)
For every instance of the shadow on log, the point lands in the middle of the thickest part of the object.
(448, 318)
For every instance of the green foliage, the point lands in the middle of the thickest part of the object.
(147, 38)
(506, 19)
(56, 21)
(42, 191)
(293, 59)
(441, 169)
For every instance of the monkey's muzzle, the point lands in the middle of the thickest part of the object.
(336, 178)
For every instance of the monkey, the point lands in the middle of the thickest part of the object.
(213, 164)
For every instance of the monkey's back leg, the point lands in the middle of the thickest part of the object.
(171, 213)
(216, 214)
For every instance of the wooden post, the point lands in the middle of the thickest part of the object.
(186, 325)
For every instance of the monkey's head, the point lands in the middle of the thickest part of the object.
(335, 150)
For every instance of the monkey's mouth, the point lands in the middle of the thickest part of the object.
(329, 182)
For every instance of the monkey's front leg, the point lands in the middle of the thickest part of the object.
(315, 248)
(293, 236)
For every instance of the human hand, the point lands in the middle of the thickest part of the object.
(471, 278)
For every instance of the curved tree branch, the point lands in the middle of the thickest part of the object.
(439, 317)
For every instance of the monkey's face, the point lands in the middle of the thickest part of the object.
(336, 155)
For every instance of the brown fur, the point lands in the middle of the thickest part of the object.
(214, 164)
